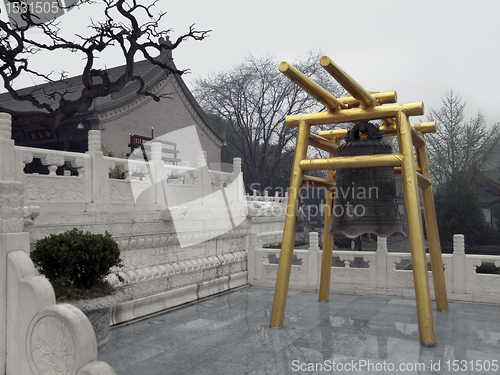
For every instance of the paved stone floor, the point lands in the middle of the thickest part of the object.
(230, 334)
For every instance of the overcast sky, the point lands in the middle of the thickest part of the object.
(418, 48)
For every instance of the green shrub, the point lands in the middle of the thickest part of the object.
(75, 259)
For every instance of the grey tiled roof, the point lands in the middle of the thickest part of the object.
(151, 74)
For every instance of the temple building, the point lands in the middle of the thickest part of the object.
(122, 114)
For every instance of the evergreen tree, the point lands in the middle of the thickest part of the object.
(458, 211)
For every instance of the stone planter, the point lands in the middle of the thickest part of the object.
(98, 311)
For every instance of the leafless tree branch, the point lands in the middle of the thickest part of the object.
(120, 28)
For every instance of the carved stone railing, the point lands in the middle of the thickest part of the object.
(37, 336)
(54, 188)
(380, 275)
(147, 185)
(182, 229)
(268, 216)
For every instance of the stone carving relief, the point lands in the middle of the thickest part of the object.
(52, 348)
(11, 207)
(487, 284)
(30, 213)
(5, 126)
(296, 276)
(403, 279)
(62, 189)
(353, 276)
(152, 279)
(120, 191)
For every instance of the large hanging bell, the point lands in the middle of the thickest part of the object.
(365, 198)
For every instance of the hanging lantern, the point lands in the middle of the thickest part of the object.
(365, 198)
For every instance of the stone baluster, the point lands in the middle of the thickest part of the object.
(189, 176)
(251, 256)
(312, 257)
(126, 170)
(347, 259)
(111, 165)
(100, 174)
(201, 161)
(94, 140)
(27, 158)
(236, 165)
(459, 274)
(156, 151)
(79, 164)
(204, 182)
(381, 262)
(53, 161)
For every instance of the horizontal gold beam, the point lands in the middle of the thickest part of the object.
(352, 87)
(311, 87)
(316, 182)
(385, 97)
(356, 114)
(322, 143)
(425, 127)
(344, 162)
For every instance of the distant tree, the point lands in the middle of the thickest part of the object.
(458, 211)
(281, 176)
(119, 27)
(459, 147)
(253, 99)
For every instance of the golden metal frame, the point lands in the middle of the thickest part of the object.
(363, 105)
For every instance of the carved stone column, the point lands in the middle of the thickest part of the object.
(100, 172)
(6, 148)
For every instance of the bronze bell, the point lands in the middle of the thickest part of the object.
(365, 198)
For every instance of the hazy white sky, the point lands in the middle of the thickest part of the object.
(418, 48)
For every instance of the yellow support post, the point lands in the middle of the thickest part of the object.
(288, 243)
(433, 235)
(417, 247)
(326, 257)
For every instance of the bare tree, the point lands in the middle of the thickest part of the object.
(121, 29)
(253, 99)
(459, 147)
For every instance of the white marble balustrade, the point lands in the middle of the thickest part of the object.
(381, 276)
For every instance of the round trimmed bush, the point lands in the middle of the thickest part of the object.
(77, 259)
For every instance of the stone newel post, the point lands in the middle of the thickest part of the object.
(36, 335)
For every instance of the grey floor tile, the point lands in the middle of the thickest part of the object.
(230, 334)
(218, 367)
(121, 357)
(152, 368)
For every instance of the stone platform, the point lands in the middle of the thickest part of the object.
(230, 334)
